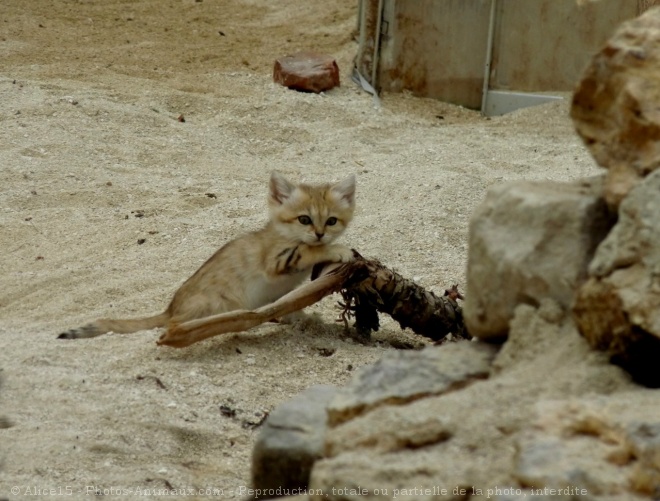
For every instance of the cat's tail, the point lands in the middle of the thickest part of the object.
(121, 326)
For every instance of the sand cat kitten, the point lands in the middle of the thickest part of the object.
(260, 267)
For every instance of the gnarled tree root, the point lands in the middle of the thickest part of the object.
(367, 287)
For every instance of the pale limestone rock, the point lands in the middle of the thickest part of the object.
(530, 241)
(642, 440)
(388, 429)
(615, 105)
(618, 309)
(404, 376)
(409, 475)
(554, 462)
(490, 434)
(606, 446)
(291, 440)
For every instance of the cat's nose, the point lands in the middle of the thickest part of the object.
(319, 235)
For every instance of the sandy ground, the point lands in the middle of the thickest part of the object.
(94, 160)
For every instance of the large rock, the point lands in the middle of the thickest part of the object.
(642, 446)
(291, 440)
(491, 438)
(615, 105)
(404, 376)
(602, 446)
(530, 241)
(407, 476)
(380, 392)
(618, 309)
(551, 462)
(389, 428)
(307, 71)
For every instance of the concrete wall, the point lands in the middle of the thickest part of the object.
(437, 48)
(543, 45)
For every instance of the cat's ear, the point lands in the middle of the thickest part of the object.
(280, 188)
(345, 190)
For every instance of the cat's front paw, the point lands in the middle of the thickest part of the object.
(342, 254)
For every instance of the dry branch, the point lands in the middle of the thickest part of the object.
(367, 287)
(376, 288)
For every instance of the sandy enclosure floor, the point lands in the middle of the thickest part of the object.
(93, 160)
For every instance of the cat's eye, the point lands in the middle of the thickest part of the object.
(305, 220)
(331, 221)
